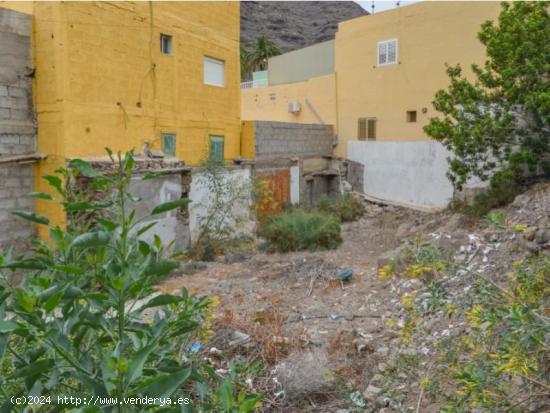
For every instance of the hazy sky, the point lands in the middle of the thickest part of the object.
(382, 5)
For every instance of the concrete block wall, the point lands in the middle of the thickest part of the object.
(282, 139)
(17, 127)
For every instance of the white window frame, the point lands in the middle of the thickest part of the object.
(215, 61)
(386, 43)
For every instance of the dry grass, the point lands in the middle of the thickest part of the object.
(265, 329)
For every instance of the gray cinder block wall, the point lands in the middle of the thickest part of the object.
(17, 127)
(279, 139)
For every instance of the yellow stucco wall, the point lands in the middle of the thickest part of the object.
(271, 103)
(248, 139)
(430, 34)
(101, 80)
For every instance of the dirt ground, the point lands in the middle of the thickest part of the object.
(316, 310)
(299, 284)
(293, 303)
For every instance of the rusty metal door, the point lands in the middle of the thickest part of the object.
(275, 190)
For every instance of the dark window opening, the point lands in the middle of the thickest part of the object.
(165, 44)
(411, 116)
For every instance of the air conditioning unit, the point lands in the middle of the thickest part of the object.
(294, 106)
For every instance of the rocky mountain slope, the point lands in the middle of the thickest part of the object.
(294, 24)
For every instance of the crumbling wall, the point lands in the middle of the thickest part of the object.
(282, 139)
(353, 172)
(174, 183)
(17, 127)
(235, 195)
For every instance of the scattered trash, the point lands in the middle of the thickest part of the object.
(195, 347)
(345, 275)
(238, 338)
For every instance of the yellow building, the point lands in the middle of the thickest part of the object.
(416, 41)
(387, 69)
(125, 74)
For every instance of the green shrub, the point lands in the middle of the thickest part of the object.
(502, 190)
(506, 350)
(85, 322)
(346, 209)
(297, 230)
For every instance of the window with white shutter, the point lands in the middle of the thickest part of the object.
(214, 71)
(387, 52)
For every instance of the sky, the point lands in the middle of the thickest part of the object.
(383, 5)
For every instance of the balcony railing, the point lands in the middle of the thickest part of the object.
(252, 84)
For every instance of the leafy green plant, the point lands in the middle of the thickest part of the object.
(419, 259)
(501, 364)
(87, 320)
(223, 212)
(502, 190)
(348, 208)
(495, 219)
(297, 230)
(499, 123)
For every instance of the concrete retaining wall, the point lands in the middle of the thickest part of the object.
(408, 173)
(17, 127)
(277, 139)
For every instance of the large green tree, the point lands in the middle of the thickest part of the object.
(499, 123)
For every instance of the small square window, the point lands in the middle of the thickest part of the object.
(216, 148)
(387, 52)
(411, 116)
(366, 129)
(165, 44)
(169, 144)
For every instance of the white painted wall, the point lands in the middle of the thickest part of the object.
(238, 185)
(294, 185)
(408, 173)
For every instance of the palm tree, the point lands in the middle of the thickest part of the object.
(262, 50)
(246, 71)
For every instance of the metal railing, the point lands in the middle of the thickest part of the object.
(251, 84)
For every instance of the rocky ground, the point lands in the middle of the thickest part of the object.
(338, 346)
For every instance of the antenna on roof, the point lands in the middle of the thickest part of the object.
(372, 6)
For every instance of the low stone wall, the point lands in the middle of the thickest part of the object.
(280, 139)
(17, 128)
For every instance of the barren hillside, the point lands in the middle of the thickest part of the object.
(294, 24)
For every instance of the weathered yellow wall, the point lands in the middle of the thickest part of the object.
(248, 139)
(271, 103)
(430, 34)
(101, 80)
